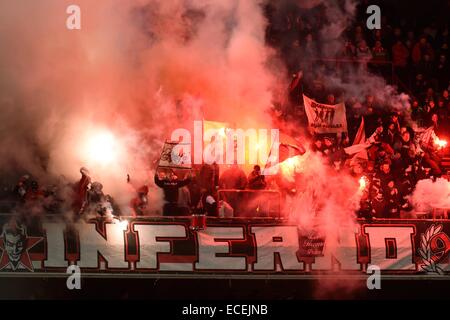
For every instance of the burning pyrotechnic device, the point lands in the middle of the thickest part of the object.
(222, 133)
(102, 147)
(123, 223)
(363, 182)
(440, 143)
(288, 166)
(290, 163)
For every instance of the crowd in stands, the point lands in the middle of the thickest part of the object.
(414, 57)
(411, 55)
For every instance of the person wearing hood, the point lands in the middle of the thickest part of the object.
(81, 191)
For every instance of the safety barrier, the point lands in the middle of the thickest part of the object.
(252, 203)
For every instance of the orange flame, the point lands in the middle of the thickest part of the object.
(363, 183)
(288, 166)
(440, 143)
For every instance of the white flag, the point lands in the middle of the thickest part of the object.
(325, 118)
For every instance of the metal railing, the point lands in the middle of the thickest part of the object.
(252, 203)
(269, 208)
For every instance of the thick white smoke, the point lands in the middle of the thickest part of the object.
(430, 194)
(326, 200)
(138, 69)
(135, 70)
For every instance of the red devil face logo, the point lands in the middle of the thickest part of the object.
(15, 244)
(440, 246)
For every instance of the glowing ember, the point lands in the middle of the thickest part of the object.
(101, 148)
(290, 162)
(362, 183)
(289, 166)
(440, 143)
(122, 223)
(222, 133)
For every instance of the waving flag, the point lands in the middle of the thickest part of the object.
(325, 118)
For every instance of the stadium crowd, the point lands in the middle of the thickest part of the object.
(411, 55)
(402, 145)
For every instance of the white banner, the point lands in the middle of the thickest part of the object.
(325, 118)
(159, 245)
(176, 155)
